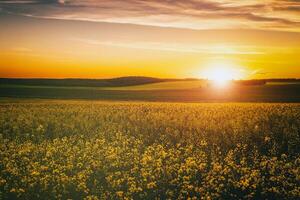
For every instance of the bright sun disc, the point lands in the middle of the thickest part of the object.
(221, 73)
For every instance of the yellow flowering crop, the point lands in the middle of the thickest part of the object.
(126, 150)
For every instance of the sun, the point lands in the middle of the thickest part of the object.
(221, 72)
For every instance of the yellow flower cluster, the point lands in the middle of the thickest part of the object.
(102, 150)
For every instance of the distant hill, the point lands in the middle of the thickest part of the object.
(113, 82)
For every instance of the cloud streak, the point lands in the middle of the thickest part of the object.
(196, 14)
(174, 47)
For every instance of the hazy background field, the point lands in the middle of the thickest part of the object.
(152, 89)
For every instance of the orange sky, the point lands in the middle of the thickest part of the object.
(97, 39)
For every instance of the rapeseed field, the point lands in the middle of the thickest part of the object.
(135, 150)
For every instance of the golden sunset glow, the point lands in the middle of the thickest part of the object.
(222, 71)
(178, 39)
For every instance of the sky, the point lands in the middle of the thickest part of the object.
(158, 38)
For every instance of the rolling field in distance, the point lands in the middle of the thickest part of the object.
(164, 91)
(169, 85)
(59, 149)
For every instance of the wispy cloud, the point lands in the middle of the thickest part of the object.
(176, 13)
(175, 47)
(21, 49)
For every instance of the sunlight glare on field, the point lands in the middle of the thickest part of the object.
(221, 72)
